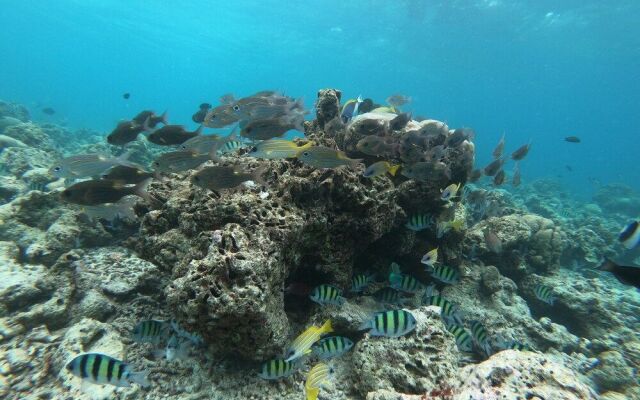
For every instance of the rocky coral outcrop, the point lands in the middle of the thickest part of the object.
(14, 110)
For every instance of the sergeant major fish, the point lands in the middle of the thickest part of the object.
(480, 337)
(360, 282)
(544, 294)
(327, 294)
(403, 282)
(102, 370)
(444, 274)
(278, 369)
(463, 338)
(394, 323)
(332, 346)
(419, 222)
(152, 331)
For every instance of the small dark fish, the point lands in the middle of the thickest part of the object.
(475, 175)
(458, 136)
(126, 96)
(398, 100)
(517, 178)
(266, 129)
(499, 178)
(127, 174)
(366, 106)
(219, 177)
(568, 168)
(494, 167)
(200, 115)
(177, 161)
(94, 192)
(521, 152)
(170, 135)
(150, 118)
(400, 121)
(125, 132)
(497, 152)
(627, 274)
(48, 111)
(493, 242)
(572, 139)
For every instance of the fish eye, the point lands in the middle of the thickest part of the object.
(236, 108)
(306, 154)
(156, 163)
(57, 169)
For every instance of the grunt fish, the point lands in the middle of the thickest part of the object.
(222, 177)
(201, 144)
(125, 132)
(127, 174)
(170, 135)
(94, 192)
(375, 146)
(325, 157)
(177, 161)
(88, 165)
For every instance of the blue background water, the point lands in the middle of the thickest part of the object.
(537, 70)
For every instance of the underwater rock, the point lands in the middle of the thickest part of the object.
(10, 187)
(327, 106)
(14, 110)
(415, 364)
(32, 135)
(612, 373)
(17, 160)
(619, 199)
(231, 255)
(512, 375)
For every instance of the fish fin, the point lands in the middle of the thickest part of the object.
(257, 175)
(141, 190)
(326, 327)
(146, 126)
(606, 265)
(123, 158)
(163, 118)
(365, 325)
(199, 130)
(393, 170)
(395, 268)
(140, 378)
(312, 393)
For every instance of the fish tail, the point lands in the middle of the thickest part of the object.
(199, 130)
(122, 158)
(140, 378)
(365, 325)
(393, 170)
(312, 393)
(326, 327)
(606, 265)
(258, 175)
(141, 190)
(146, 126)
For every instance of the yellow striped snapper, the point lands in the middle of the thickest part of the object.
(302, 344)
(102, 370)
(325, 157)
(317, 377)
(275, 149)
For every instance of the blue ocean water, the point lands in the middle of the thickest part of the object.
(535, 70)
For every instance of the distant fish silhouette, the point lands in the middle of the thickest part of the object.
(627, 274)
(126, 96)
(572, 139)
(48, 111)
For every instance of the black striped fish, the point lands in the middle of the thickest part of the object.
(101, 369)
(419, 222)
(394, 323)
(444, 274)
(545, 294)
(480, 337)
(278, 369)
(151, 331)
(332, 346)
(360, 282)
(463, 338)
(514, 345)
(448, 311)
(404, 282)
(327, 294)
(230, 146)
(388, 295)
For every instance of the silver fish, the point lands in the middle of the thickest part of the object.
(176, 161)
(88, 165)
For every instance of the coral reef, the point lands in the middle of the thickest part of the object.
(235, 267)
